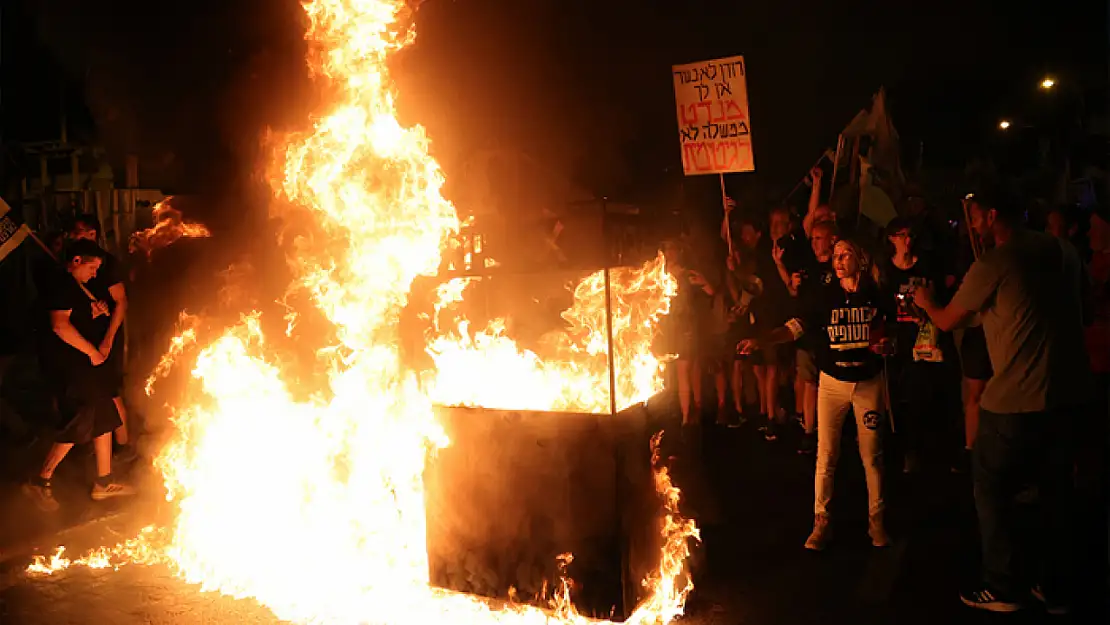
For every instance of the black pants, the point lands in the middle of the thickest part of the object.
(1014, 453)
(927, 409)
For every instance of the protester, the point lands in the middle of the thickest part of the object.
(741, 288)
(823, 238)
(79, 322)
(108, 286)
(922, 379)
(694, 293)
(1027, 290)
(816, 212)
(770, 310)
(845, 324)
(1061, 223)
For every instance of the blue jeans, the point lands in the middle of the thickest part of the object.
(1013, 453)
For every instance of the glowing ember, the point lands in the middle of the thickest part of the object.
(315, 507)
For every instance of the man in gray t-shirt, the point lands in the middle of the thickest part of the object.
(1027, 292)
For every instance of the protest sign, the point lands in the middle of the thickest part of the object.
(12, 232)
(713, 123)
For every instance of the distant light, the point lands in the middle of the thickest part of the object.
(1004, 124)
(1048, 83)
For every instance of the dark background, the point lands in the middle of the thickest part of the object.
(581, 85)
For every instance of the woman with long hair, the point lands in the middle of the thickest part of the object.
(846, 323)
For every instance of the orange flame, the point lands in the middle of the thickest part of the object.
(315, 506)
(169, 226)
(573, 372)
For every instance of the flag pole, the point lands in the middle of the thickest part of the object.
(824, 155)
(836, 165)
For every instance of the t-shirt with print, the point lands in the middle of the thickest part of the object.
(841, 326)
(899, 285)
(1028, 293)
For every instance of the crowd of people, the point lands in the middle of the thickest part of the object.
(78, 331)
(967, 344)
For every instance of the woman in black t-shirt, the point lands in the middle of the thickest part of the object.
(923, 382)
(80, 384)
(846, 323)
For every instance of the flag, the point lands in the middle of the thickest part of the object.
(12, 232)
(858, 126)
(874, 203)
(886, 147)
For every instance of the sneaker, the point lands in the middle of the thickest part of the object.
(39, 491)
(983, 598)
(876, 529)
(808, 445)
(819, 537)
(100, 492)
(769, 432)
(739, 421)
(1053, 608)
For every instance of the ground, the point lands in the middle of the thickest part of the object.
(753, 501)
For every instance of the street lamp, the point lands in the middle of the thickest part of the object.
(1048, 83)
(1004, 124)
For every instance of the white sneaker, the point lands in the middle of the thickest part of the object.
(114, 489)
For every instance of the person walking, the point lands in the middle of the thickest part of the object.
(1027, 292)
(84, 399)
(846, 322)
(108, 286)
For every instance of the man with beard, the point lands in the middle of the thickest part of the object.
(1027, 291)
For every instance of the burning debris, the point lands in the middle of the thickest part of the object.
(169, 226)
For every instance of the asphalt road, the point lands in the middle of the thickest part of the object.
(752, 500)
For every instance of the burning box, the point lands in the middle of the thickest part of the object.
(518, 488)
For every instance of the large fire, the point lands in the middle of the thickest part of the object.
(315, 507)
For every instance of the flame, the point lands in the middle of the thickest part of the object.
(314, 506)
(186, 337)
(573, 373)
(169, 226)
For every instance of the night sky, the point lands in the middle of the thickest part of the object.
(584, 86)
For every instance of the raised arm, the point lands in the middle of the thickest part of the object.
(815, 175)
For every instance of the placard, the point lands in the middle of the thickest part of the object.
(713, 123)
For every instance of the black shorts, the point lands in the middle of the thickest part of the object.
(974, 358)
(85, 407)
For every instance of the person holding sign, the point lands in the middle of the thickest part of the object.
(847, 325)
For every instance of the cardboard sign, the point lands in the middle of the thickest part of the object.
(713, 123)
(12, 232)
